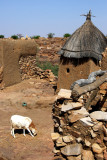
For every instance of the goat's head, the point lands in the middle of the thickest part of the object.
(33, 129)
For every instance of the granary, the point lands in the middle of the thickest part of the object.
(82, 54)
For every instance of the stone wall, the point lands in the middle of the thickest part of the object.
(29, 69)
(79, 134)
(48, 48)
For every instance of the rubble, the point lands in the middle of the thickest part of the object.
(82, 134)
(29, 69)
(48, 48)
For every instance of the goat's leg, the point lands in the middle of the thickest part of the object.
(12, 132)
(24, 132)
(30, 132)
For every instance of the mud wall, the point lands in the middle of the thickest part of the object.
(71, 70)
(104, 60)
(1, 54)
(10, 53)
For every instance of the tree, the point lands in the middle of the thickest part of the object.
(19, 36)
(35, 37)
(50, 35)
(1, 36)
(14, 36)
(67, 35)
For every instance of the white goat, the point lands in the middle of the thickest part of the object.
(21, 122)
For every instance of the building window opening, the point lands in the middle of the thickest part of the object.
(68, 70)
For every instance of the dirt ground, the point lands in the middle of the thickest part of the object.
(39, 96)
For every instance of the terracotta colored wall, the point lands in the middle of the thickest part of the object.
(104, 61)
(77, 69)
(11, 52)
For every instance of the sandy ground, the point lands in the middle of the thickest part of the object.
(38, 109)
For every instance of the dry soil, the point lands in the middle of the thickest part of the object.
(39, 96)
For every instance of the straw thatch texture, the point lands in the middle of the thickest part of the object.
(87, 41)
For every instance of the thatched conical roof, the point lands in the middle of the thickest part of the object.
(87, 41)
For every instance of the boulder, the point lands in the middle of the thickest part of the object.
(55, 136)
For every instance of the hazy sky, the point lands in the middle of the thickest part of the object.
(40, 17)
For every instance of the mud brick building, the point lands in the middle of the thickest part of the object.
(10, 53)
(82, 54)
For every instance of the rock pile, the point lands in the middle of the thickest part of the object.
(78, 134)
(27, 66)
(29, 69)
(48, 48)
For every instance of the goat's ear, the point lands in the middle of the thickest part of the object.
(36, 129)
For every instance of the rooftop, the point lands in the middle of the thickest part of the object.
(87, 41)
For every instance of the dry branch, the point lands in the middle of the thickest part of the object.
(78, 91)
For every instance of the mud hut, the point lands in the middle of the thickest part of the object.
(81, 54)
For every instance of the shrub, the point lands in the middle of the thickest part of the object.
(1, 36)
(67, 35)
(50, 35)
(14, 36)
(35, 37)
(48, 65)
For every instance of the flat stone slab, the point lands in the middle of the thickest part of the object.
(99, 115)
(70, 106)
(72, 150)
(77, 115)
(87, 121)
(81, 111)
(64, 93)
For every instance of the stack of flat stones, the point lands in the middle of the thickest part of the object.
(78, 134)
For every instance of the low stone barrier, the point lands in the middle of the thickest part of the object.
(78, 134)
